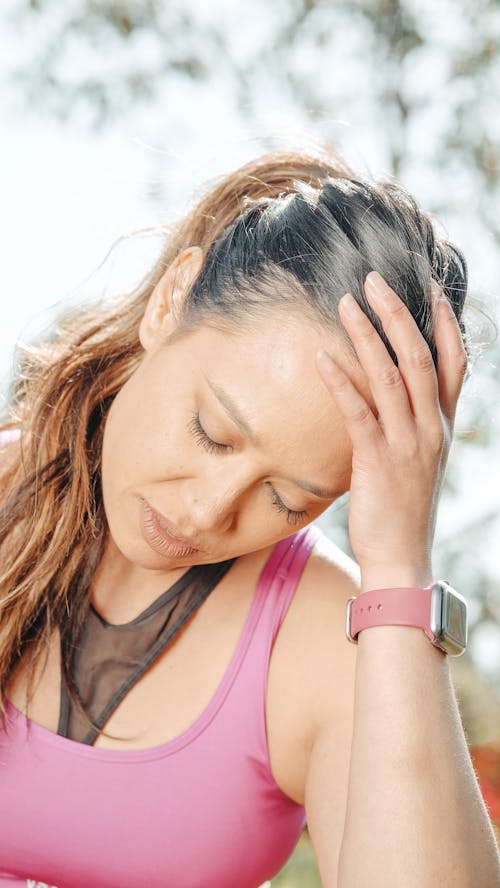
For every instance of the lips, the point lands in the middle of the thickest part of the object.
(172, 530)
(163, 535)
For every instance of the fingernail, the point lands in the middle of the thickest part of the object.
(439, 299)
(326, 360)
(349, 304)
(374, 279)
(379, 286)
(323, 355)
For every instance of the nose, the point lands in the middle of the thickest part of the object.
(212, 503)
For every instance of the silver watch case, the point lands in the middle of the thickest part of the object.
(448, 619)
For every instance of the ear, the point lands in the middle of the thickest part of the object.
(159, 318)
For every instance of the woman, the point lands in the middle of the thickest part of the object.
(179, 692)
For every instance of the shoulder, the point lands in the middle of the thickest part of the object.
(323, 660)
(312, 672)
(327, 561)
(329, 577)
(328, 660)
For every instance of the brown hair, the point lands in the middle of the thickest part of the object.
(307, 218)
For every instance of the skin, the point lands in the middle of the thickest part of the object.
(400, 454)
(223, 499)
(376, 430)
(381, 432)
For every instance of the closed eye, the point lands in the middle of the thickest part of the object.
(293, 516)
(199, 434)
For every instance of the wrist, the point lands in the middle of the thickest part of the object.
(392, 576)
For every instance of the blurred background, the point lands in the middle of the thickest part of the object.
(114, 112)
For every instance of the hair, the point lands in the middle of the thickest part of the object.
(285, 228)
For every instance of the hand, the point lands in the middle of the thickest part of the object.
(399, 458)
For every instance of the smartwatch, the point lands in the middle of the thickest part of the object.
(438, 609)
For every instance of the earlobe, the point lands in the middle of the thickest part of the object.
(159, 318)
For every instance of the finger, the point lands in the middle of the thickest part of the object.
(360, 422)
(414, 356)
(452, 357)
(385, 379)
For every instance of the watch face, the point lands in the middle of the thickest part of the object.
(449, 618)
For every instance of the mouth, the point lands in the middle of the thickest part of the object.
(162, 535)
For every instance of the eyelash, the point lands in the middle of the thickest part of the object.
(199, 434)
(292, 517)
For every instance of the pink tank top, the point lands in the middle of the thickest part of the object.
(199, 811)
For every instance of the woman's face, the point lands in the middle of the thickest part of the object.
(224, 434)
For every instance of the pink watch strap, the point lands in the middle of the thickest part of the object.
(400, 606)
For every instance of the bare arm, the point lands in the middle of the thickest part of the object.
(415, 815)
(414, 811)
(391, 796)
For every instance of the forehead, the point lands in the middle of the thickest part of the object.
(279, 351)
(269, 370)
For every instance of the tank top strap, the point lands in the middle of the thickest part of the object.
(244, 715)
(275, 589)
(280, 592)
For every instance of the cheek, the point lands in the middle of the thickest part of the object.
(145, 442)
(127, 436)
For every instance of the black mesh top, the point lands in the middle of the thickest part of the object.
(110, 659)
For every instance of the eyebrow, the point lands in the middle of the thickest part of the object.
(234, 412)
